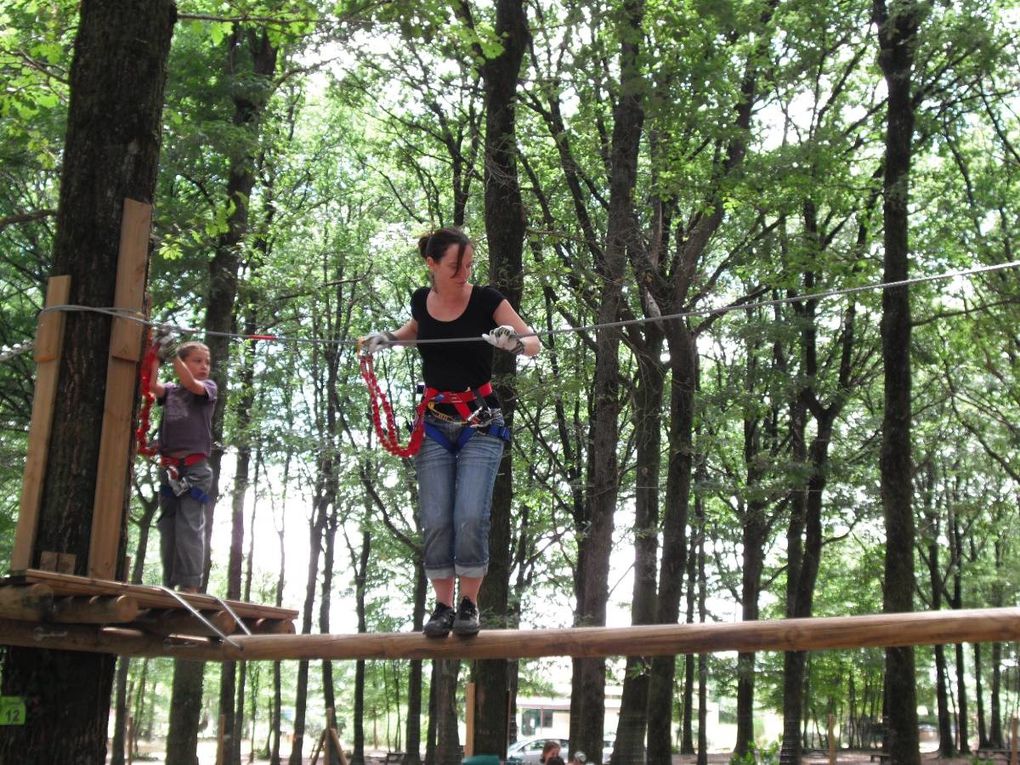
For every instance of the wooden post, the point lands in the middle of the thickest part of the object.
(832, 740)
(469, 720)
(1013, 743)
(121, 375)
(49, 344)
(331, 748)
(318, 747)
(220, 750)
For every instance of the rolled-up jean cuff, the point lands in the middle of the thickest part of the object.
(475, 572)
(446, 572)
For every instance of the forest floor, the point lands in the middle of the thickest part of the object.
(152, 754)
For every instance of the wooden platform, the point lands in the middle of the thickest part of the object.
(46, 597)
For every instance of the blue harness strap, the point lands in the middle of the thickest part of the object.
(437, 435)
(196, 493)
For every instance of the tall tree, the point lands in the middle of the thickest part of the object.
(505, 222)
(897, 37)
(111, 153)
(587, 701)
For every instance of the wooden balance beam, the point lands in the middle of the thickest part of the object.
(903, 629)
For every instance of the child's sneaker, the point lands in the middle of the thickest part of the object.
(440, 622)
(466, 623)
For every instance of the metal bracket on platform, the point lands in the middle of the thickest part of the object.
(194, 612)
(230, 611)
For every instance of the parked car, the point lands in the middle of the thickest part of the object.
(528, 751)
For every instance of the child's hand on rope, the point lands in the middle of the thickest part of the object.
(376, 341)
(505, 338)
(165, 345)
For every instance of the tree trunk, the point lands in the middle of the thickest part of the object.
(415, 678)
(687, 728)
(301, 694)
(444, 677)
(505, 222)
(984, 742)
(702, 658)
(897, 36)
(683, 354)
(587, 701)
(629, 746)
(228, 670)
(754, 536)
(110, 153)
(962, 707)
(360, 580)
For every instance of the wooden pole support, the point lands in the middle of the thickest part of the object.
(1013, 739)
(95, 610)
(31, 603)
(177, 622)
(271, 626)
(121, 378)
(221, 752)
(469, 720)
(49, 345)
(318, 748)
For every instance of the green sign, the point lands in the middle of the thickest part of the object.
(12, 710)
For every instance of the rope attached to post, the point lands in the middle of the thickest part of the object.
(388, 435)
(144, 380)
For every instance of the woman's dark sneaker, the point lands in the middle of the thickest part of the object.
(440, 622)
(466, 622)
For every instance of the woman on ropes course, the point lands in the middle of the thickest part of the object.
(460, 433)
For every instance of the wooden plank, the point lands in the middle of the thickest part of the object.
(147, 596)
(132, 269)
(49, 345)
(121, 381)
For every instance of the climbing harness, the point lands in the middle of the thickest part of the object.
(479, 419)
(177, 484)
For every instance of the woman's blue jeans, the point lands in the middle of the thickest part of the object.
(455, 499)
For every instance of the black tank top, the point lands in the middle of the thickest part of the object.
(462, 365)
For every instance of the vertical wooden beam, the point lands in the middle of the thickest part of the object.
(469, 720)
(49, 344)
(121, 376)
(1014, 735)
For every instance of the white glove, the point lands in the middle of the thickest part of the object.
(165, 345)
(377, 341)
(505, 338)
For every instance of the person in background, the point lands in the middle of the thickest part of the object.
(549, 751)
(465, 433)
(185, 441)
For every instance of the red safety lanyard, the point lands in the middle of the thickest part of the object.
(378, 400)
(144, 380)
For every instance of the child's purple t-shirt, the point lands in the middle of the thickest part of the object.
(187, 420)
